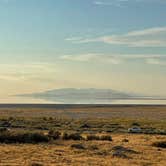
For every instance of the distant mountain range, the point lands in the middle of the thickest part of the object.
(80, 96)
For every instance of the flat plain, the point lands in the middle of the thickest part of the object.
(84, 121)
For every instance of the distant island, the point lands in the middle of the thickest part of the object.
(87, 95)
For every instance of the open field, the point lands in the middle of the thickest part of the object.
(82, 120)
(94, 153)
(155, 112)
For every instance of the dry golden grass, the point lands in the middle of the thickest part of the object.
(113, 120)
(96, 153)
(89, 111)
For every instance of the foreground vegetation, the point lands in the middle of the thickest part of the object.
(9, 137)
(123, 150)
(115, 125)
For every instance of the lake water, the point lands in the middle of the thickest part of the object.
(28, 100)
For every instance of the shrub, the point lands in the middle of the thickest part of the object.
(92, 137)
(65, 136)
(3, 129)
(73, 136)
(6, 124)
(101, 138)
(54, 134)
(11, 118)
(45, 118)
(11, 137)
(106, 138)
(161, 144)
(51, 118)
(36, 138)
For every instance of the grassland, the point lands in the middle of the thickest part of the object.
(24, 122)
(95, 152)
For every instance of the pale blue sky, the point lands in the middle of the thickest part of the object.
(117, 44)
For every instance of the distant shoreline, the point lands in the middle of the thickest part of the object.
(41, 105)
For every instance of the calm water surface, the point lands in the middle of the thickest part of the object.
(28, 100)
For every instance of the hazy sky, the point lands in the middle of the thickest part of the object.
(48, 44)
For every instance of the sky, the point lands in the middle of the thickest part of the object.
(50, 44)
